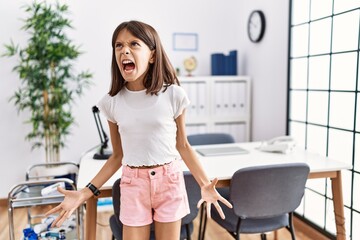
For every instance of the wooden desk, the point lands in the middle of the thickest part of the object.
(223, 167)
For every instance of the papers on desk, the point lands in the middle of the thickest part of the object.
(218, 151)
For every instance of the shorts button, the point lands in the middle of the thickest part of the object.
(152, 173)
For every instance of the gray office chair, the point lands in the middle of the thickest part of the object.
(194, 195)
(210, 138)
(264, 199)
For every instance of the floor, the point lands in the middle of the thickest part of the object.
(214, 231)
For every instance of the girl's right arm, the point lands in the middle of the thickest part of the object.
(73, 199)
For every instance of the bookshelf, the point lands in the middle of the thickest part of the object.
(219, 104)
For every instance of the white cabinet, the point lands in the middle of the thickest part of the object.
(219, 104)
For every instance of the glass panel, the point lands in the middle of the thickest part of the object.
(330, 217)
(330, 221)
(346, 187)
(342, 110)
(345, 5)
(318, 107)
(299, 43)
(316, 139)
(329, 189)
(298, 105)
(317, 184)
(300, 208)
(300, 11)
(356, 201)
(347, 213)
(346, 31)
(343, 71)
(320, 8)
(320, 36)
(314, 207)
(358, 86)
(297, 131)
(357, 153)
(298, 73)
(340, 146)
(319, 68)
(358, 113)
(355, 226)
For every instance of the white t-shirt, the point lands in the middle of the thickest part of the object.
(146, 123)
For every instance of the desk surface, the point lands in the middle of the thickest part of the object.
(223, 167)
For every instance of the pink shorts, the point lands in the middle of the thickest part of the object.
(149, 194)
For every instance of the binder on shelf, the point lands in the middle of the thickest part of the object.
(226, 100)
(219, 98)
(231, 63)
(193, 97)
(201, 99)
(234, 96)
(218, 64)
(242, 95)
(224, 65)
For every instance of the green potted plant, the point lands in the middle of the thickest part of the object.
(49, 85)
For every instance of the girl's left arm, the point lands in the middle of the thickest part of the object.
(208, 191)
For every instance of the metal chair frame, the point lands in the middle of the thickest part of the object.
(28, 194)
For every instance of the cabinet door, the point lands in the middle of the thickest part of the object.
(236, 129)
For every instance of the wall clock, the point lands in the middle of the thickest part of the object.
(256, 26)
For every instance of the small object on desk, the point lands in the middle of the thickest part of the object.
(219, 151)
(102, 155)
(282, 144)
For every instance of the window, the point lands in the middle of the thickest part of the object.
(324, 101)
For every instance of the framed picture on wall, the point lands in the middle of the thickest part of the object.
(185, 41)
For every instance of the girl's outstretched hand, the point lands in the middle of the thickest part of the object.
(211, 196)
(72, 200)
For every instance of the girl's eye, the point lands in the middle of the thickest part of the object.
(135, 44)
(118, 45)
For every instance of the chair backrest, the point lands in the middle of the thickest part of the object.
(210, 138)
(268, 191)
(116, 197)
(194, 194)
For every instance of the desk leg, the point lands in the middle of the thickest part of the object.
(91, 216)
(338, 206)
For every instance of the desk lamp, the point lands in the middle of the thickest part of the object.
(101, 155)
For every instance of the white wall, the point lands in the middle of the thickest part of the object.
(221, 26)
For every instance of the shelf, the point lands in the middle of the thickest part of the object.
(218, 104)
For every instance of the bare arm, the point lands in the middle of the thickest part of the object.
(208, 191)
(73, 199)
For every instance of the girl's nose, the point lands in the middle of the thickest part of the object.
(125, 51)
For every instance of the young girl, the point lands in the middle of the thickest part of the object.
(145, 108)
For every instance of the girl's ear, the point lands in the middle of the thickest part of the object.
(152, 58)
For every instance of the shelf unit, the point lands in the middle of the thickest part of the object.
(219, 104)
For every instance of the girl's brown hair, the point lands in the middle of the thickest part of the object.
(160, 73)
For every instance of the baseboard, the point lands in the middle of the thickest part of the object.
(308, 230)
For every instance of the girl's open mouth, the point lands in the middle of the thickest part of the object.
(128, 65)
